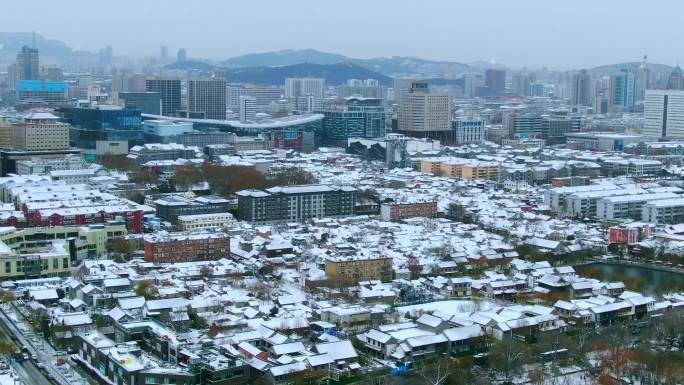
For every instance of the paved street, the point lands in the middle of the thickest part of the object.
(11, 322)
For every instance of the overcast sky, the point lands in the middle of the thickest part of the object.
(554, 33)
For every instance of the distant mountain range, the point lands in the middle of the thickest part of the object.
(274, 67)
(396, 66)
(284, 58)
(334, 74)
(613, 69)
(51, 51)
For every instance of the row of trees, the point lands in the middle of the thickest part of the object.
(222, 179)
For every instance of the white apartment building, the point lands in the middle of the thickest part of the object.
(248, 108)
(298, 87)
(664, 114)
(665, 211)
(583, 204)
(627, 206)
(39, 166)
(205, 221)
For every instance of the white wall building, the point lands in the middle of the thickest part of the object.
(664, 114)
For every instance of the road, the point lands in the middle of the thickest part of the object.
(30, 374)
(9, 320)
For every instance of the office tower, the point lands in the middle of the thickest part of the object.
(182, 55)
(601, 101)
(207, 96)
(145, 102)
(471, 82)
(106, 55)
(41, 131)
(676, 79)
(580, 89)
(54, 74)
(83, 84)
(644, 79)
(137, 83)
(425, 114)
(170, 91)
(247, 108)
(469, 130)
(28, 64)
(623, 90)
(495, 80)
(164, 52)
(401, 88)
(359, 118)
(521, 84)
(298, 87)
(537, 90)
(264, 96)
(664, 114)
(369, 88)
(528, 126)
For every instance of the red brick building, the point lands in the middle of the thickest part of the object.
(186, 247)
(398, 211)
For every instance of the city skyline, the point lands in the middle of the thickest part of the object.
(569, 36)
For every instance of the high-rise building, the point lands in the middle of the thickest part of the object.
(495, 80)
(580, 88)
(28, 64)
(106, 56)
(264, 96)
(207, 96)
(644, 79)
(471, 82)
(401, 88)
(297, 87)
(248, 108)
(182, 55)
(164, 52)
(360, 118)
(170, 91)
(369, 88)
(664, 114)
(676, 79)
(623, 90)
(521, 84)
(145, 102)
(425, 114)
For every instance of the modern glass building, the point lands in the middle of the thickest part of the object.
(360, 118)
(91, 125)
(146, 102)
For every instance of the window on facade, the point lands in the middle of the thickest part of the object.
(8, 267)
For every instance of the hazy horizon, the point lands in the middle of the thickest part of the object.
(533, 33)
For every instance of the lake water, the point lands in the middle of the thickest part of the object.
(653, 282)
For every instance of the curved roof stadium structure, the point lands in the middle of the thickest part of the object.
(294, 131)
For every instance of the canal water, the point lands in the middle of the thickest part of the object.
(649, 281)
